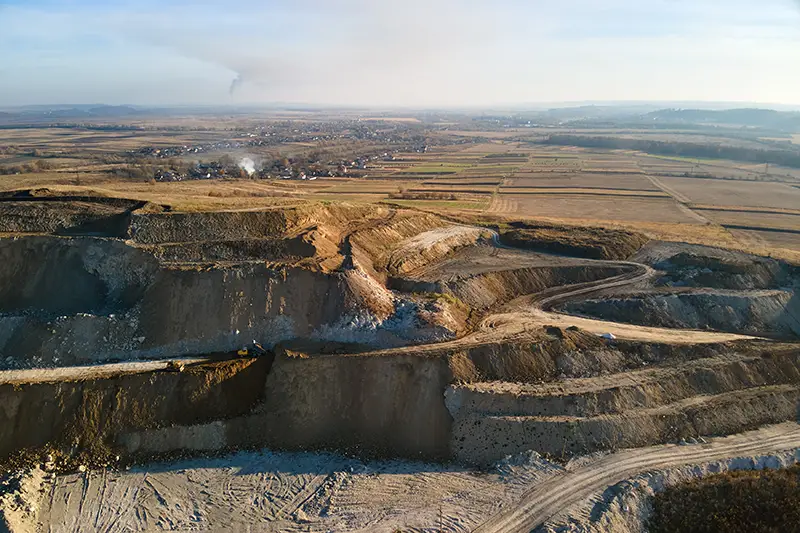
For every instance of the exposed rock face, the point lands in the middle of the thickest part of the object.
(755, 312)
(385, 406)
(687, 265)
(88, 414)
(720, 395)
(82, 300)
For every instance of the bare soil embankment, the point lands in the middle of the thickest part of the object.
(370, 405)
(661, 404)
(42, 211)
(760, 312)
(84, 417)
(688, 265)
(590, 243)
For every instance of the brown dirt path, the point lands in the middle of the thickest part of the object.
(548, 499)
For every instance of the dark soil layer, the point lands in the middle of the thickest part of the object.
(87, 415)
(695, 270)
(589, 243)
(745, 502)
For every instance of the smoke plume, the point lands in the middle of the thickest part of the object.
(248, 165)
(236, 83)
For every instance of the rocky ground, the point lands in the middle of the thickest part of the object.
(299, 492)
(135, 331)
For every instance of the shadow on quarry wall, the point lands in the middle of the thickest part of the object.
(36, 212)
(764, 312)
(368, 405)
(88, 414)
(64, 276)
(488, 289)
(66, 301)
(590, 243)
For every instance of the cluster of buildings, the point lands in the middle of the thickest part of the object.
(202, 171)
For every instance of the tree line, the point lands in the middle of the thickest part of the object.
(787, 158)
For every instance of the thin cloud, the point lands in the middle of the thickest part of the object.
(414, 52)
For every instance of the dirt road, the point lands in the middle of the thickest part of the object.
(532, 310)
(78, 373)
(555, 496)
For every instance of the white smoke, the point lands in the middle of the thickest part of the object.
(248, 165)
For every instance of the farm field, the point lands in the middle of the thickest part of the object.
(765, 219)
(766, 241)
(582, 180)
(496, 173)
(761, 228)
(597, 207)
(715, 168)
(735, 193)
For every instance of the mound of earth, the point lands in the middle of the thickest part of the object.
(688, 265)
(193, 283)
(764, 312)
(591, 243)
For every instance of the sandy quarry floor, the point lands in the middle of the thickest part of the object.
(294, 492)
(301, 492)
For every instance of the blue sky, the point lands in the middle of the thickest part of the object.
(410, 52)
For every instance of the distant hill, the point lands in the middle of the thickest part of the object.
(758, 118)
(68, 113)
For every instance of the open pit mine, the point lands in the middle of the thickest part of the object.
(334, 367)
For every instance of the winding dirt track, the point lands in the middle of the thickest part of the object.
(517, 317)
(532, 310)
(547, 500)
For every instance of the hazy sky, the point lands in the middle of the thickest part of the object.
(408, 52)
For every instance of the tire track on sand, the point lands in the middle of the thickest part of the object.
(547, 500)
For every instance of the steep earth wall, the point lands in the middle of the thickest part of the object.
(89, 414)
(485, 440)
(80, 217)
(292, 249)
(687, 265)
(373, 245)
(591, 243)
(564, 354)
(488, 289)
(80, 300)
(158, 228)
(619, 393)
(386, 406)
(62, 276)
(432, 245)
(753, 312)
(177, 227)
